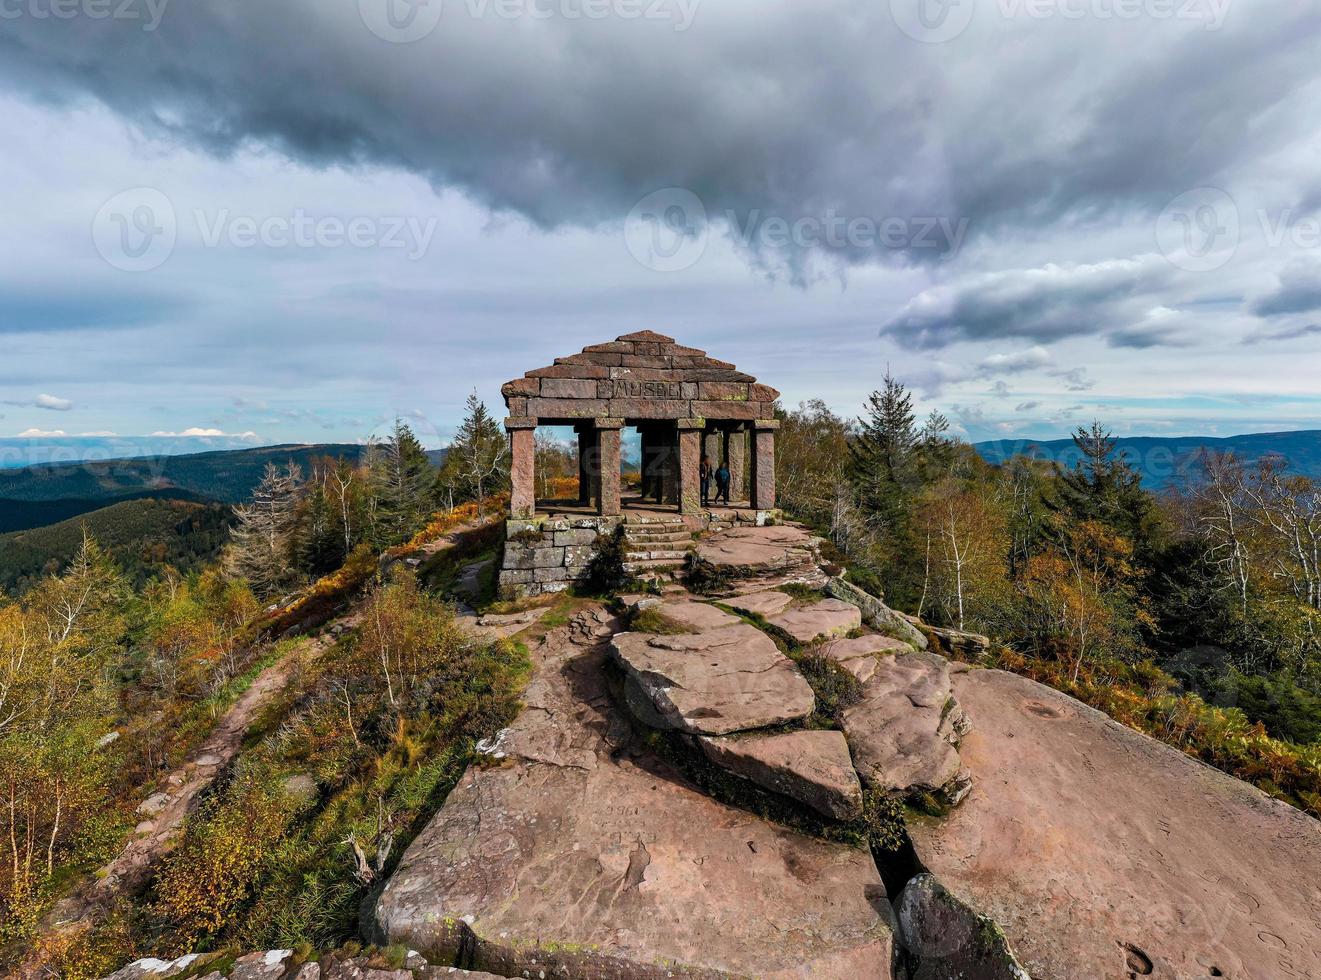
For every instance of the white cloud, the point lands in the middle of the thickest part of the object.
(52, 403)
(198, 432)
(1016, 362)
(42, 434)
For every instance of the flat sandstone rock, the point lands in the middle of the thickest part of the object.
(725, 680)
(617, 867)
(813, 768)
(697, 616)
(766, 603)
(859, 655)
(904, 732)
(829, 617)
(1103, 853)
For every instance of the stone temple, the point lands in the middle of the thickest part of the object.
(684, 405)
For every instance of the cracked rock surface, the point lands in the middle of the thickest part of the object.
(729, 679)
(1104, 853)
(905, 732)
(812, 767)
(617, 866)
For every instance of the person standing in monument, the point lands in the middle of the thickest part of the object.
(704, 474)
(722, 482)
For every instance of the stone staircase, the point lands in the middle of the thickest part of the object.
(656, 546)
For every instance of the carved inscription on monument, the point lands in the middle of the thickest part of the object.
(647, 389)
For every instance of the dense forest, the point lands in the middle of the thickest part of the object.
(1085, 578)
(1190, 615)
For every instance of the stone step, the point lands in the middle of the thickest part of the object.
(648, 536)
(660, 554)
(651, 565)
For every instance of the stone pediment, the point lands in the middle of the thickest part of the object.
(639, 376)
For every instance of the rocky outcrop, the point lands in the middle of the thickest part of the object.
(876, 613)
(943, 938)
(766, 603)
(725, 680)
(814, 621)
(696, 616)
(752, 558)
(905, 731)
(959, 643)
(1103, 853)
(280, 964)
(601, 861)
(811, 767)
(860, 655)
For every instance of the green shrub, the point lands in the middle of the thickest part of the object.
(835, 688)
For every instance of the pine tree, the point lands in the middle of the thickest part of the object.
(402, 478)
(261, 544)
(477, 463)
(1103, 487)
(882, 456)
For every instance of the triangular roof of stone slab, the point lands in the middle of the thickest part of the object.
(639, 376)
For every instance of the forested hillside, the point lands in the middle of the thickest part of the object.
(227, 476)
(143, 536)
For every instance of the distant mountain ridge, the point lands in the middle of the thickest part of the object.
(225, 475)
(1171, 461)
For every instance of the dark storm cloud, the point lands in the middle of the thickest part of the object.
(1046, 304)
(1299, 291)
(786, 110)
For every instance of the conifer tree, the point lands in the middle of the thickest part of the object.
(882, 455)
(477, 463)
(403, 479)
(261, 544)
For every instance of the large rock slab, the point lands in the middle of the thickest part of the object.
(809, 623)
(762, 557)
(697, 616)
(859, 654)
(811, 767)
(766, 603)
(714, 683)
(614, 866)
(944, 938)
(904, 732)
(1103, 853)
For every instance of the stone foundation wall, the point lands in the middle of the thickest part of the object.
(544, 554)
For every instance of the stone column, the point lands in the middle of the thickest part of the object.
(763, 463)
(690, 458)
(736, 442)
(608, 502)
(522, 465)
(586, 452)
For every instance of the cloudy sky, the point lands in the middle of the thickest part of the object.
(258, 221)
